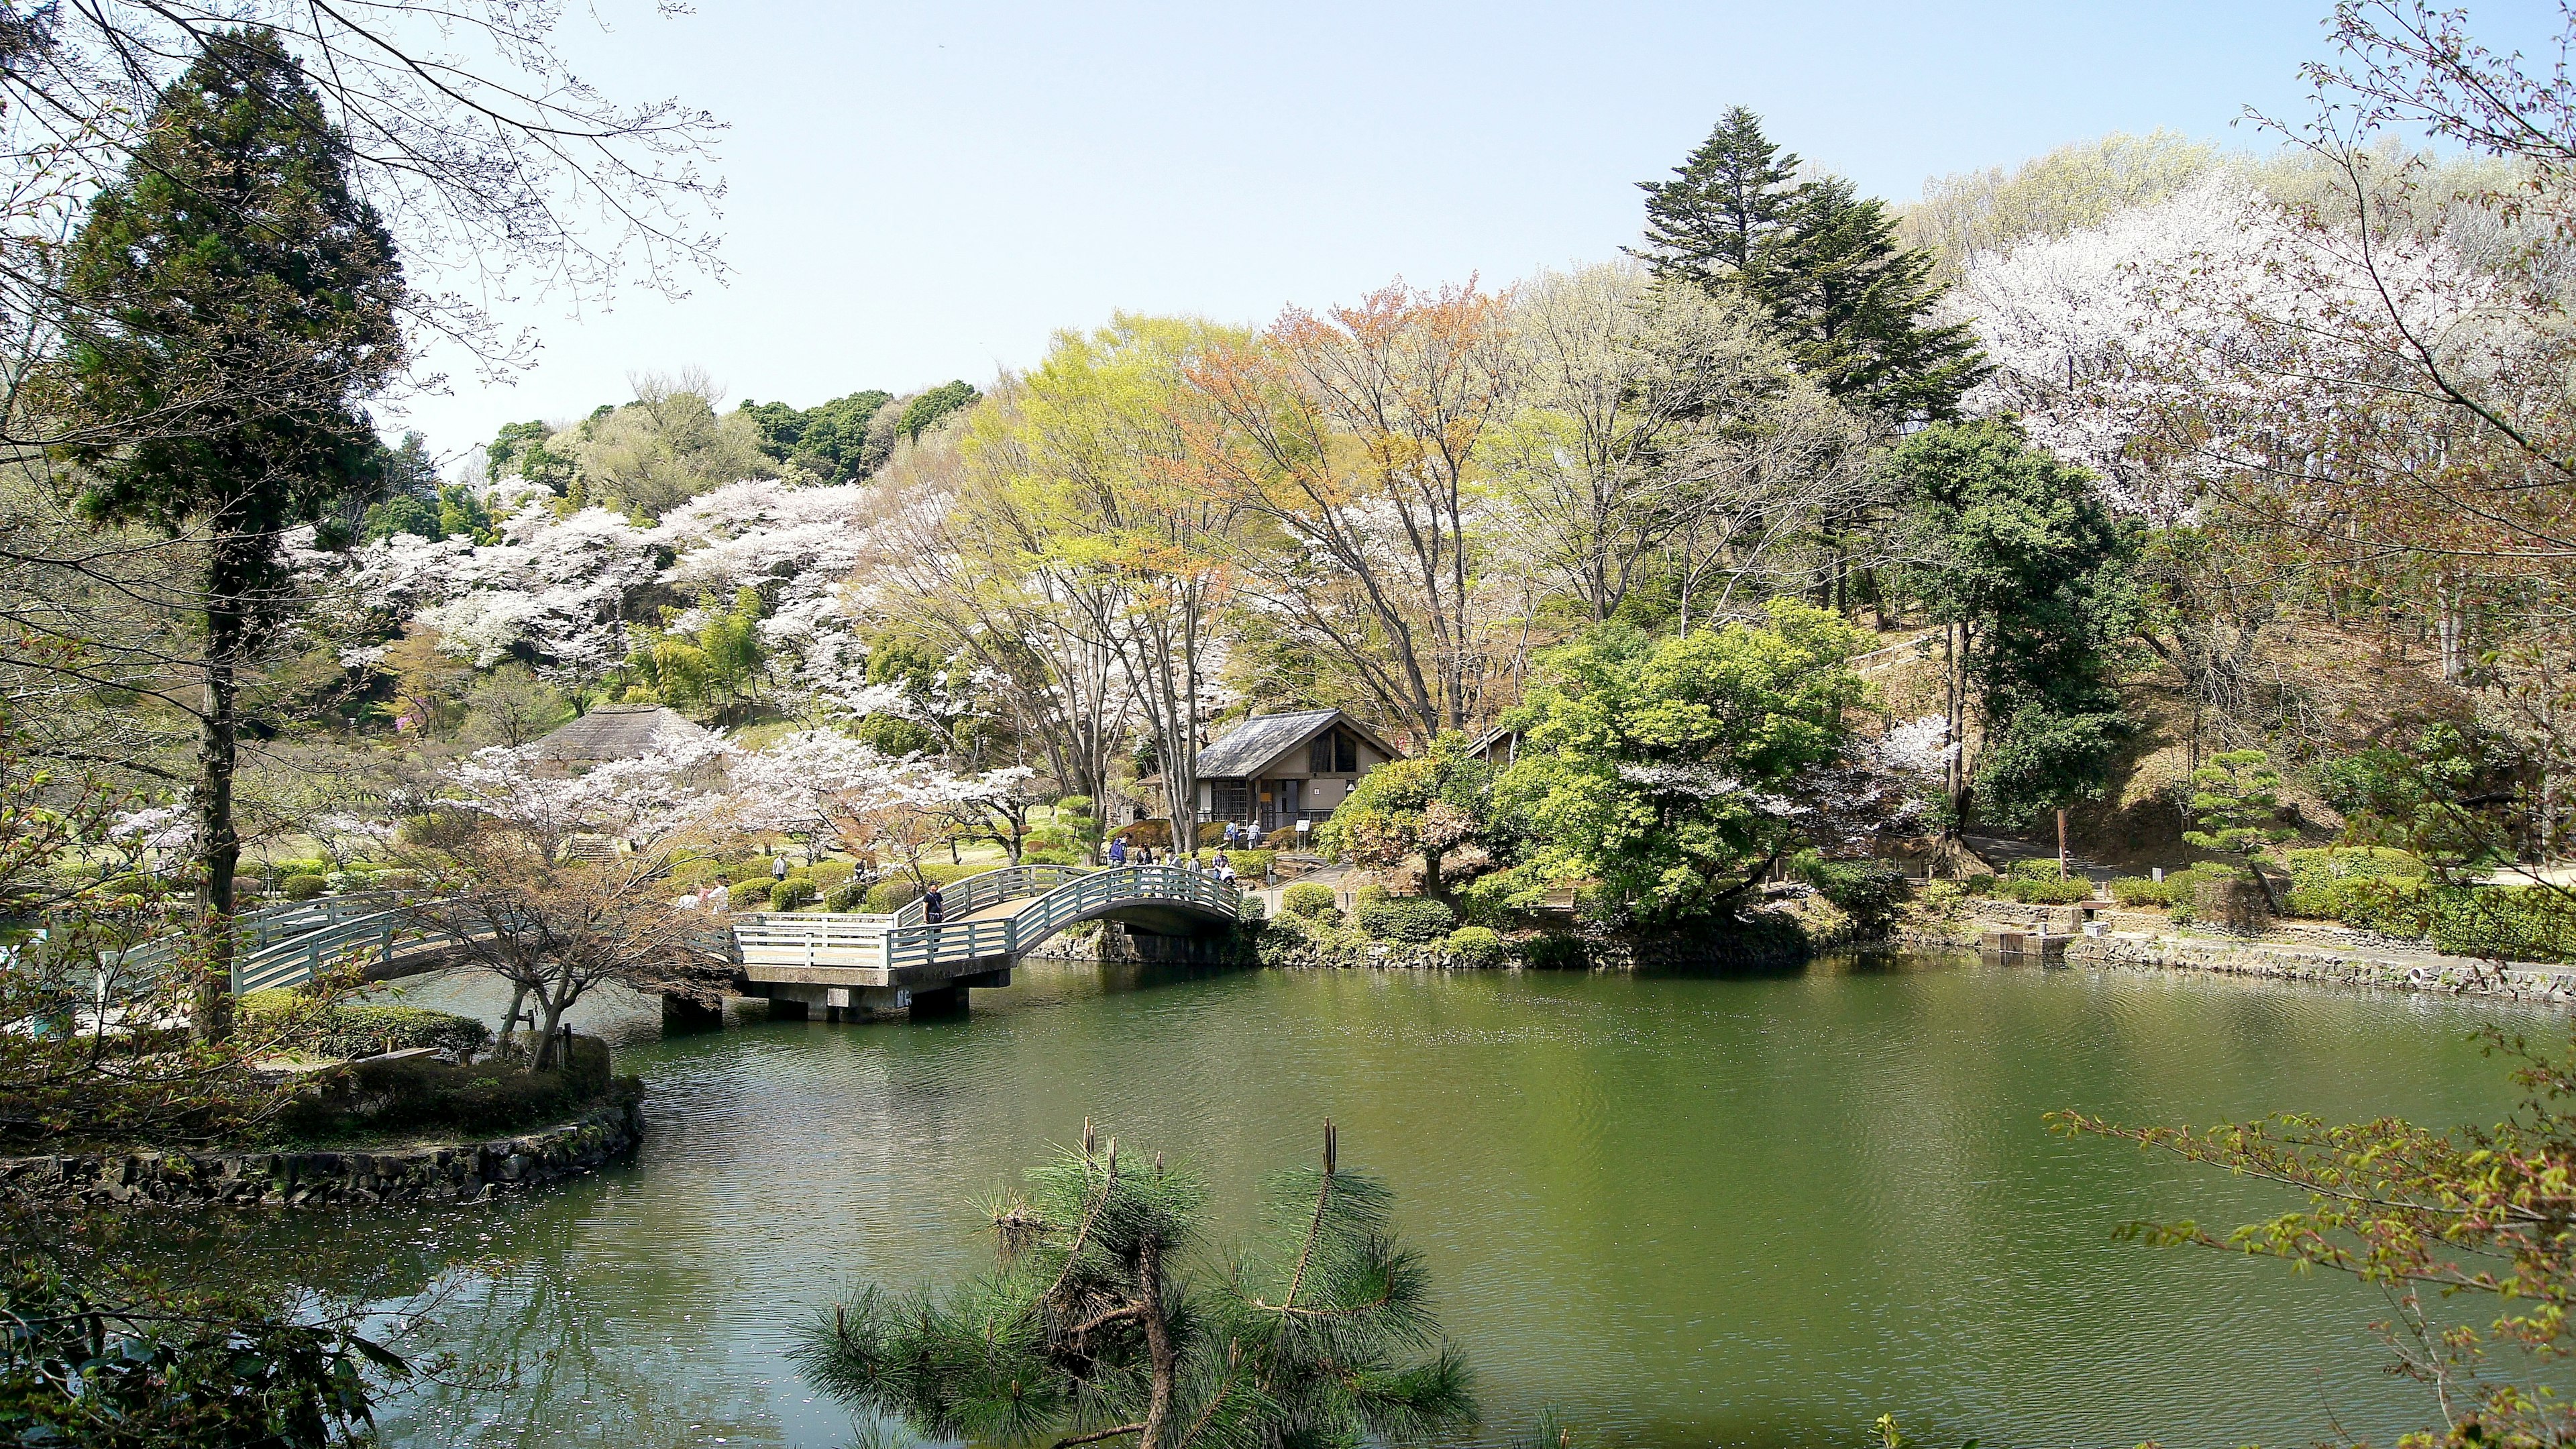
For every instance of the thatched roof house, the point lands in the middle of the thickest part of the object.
(613, 732)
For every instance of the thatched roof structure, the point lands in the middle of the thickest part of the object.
(615, 732)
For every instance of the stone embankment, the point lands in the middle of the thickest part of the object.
(2144, 941)
(463, 1173)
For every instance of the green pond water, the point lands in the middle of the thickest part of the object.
(1676, 1211)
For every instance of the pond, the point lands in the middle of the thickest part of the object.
(1675, 1211)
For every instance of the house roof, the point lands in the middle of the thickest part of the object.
(1262, 739)
(1491, 738)
(615, 732)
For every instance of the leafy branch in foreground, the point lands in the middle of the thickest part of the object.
(1089, 1331)
(2486, 1211)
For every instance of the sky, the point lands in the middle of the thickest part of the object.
(923, 192)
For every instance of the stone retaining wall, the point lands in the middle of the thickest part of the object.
(2340, 966)
(467, 1173)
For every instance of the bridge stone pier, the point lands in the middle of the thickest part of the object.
(849, 966)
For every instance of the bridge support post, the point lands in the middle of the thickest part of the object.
(786, 1008)
(938, 1001)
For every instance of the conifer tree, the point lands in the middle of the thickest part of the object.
(1090, 1332)
(1733, 194)
(1855, 306)
(237, 298)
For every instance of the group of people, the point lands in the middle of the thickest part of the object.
(1221, 865)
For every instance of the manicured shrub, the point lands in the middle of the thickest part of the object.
(1941, 897)
(792, 894)
(358, 1030)
(397, 880)
(1476, 946)
(2046, 890)
(830, 873)
(2036, 868)
(1253, 909)
(1286, 839)
(896, 892)
(1413, 920)
(2312, 903)
(1978, 885)
(1211, 832)
(302, 887)
(2326, 866)
(1156, 833)
(2141, 890)
(751, 895)
(749, 871)
(2219, 896)
(1306, 898)
(846, 897)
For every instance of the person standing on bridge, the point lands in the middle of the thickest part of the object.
(1117, 850)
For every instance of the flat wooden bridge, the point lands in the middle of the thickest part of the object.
(854, 963)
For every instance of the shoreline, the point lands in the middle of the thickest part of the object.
(463, 1173)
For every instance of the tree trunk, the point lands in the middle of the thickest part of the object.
(555, 1002)
(518, 1002)
(218, 844)
(1158, 1343)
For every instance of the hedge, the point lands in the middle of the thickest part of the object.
(484, 1098)
(1156, 833)
(302, 887)
(845, 897)
(830, 873)
(749, 894)
(1867, 890)
(896, 892)
(793, 893)
(1413, 920)
(364, 1030)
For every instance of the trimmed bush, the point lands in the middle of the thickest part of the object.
(2045, 891)
(1306, 898)
(2036, 868)
(1413, 920)
(794, 893)
(1211, 832)
(302, 887)
(2141, 890)
(830, 873)
(1476, 946)
(2324, 867)
(397, 880)
(1979, 884)
(1869, 891)
(845, 897)
(751, 895)
(1285, 839)
(364, 1030)
(896, 892)
(1254, 910)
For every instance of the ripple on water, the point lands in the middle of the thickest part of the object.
(1682, 1211)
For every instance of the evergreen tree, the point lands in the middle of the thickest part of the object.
(1854, 305)
(1092, 1330)
(1711, 221)
(2022, 562)
(233, 287)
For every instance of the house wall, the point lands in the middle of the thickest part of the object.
(1322, 792)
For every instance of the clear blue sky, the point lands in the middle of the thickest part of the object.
(920, 192)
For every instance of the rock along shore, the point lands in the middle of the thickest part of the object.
(464, 1173)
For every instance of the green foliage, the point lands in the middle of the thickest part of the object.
(1424, 807)
(925, 411)
(2233, 803)
(357, 1030)
(403, 514)
(303, 887)
(135, 1366)
(792, 894)
(750, 894)
(1855, 307)
(2347, 862)
(1476, 946)
(896, 893)
(1098, 1314)
(234, 287)
(2045, 891)
(1412, 920)
(2024, 553)
(846, 897)
(829, 873)
(1307, 898)
(2140, 890)
(1869, 891)
(826, 440)
(519, 451)
(1658, 767)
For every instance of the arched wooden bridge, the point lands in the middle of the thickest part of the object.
(888, 962)
(798, 961)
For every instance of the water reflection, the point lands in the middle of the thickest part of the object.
(1681, 1210)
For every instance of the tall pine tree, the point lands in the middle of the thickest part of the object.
(1855, 306)
(234, 299)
